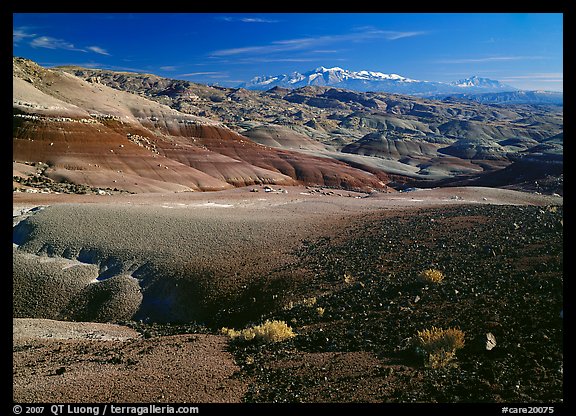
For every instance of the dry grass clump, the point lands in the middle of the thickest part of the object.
(348, 278)
(309, 302)
(431, 276)
(269, 331)
(439, 345)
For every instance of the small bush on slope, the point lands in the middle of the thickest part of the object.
(269, 331)
(431, 276)
(439, 345)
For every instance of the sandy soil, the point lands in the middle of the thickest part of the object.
(59, 362)
(26, 328)
(328, 198)
(131, 237)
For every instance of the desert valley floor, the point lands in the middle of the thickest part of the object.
(121, 298)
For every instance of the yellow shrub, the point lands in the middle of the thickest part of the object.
(431, 276)
(439, 345)
(440, 359)
(309, 302)
(348, 278)
(269, 331)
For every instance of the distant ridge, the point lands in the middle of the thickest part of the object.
(375, 81)
(509, 97)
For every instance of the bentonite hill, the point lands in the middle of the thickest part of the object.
(175, 242)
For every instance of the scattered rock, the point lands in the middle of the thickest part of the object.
(490, 341)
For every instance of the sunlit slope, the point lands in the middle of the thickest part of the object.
(92, 134)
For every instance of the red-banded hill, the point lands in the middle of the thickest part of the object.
(88, 133)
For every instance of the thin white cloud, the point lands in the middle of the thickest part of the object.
(548, 78)
(53, 43)
(246, 19)
(394, 35)
(21, 33)
(257, 20)
(487, 59)
(290, 60)
(252, 60)
(366, 32)
(49, 42)
(552, 76)
(254, 50)
(316, 42)
(98, 49)
(209, 74)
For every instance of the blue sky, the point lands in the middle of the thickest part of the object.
(524, 50)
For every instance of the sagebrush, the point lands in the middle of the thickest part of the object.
(431, 276)
(269, 331)
(439, 345)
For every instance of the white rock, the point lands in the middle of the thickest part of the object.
(490, 341)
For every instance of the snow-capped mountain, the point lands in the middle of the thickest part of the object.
(477, 82)
(322, 76)
(335, 75)
(374, 81)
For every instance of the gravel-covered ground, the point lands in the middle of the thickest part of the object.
(503, 268)
(345, 277)
(59, 365)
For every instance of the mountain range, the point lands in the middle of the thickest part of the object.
(374, 81)
(398, 84)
